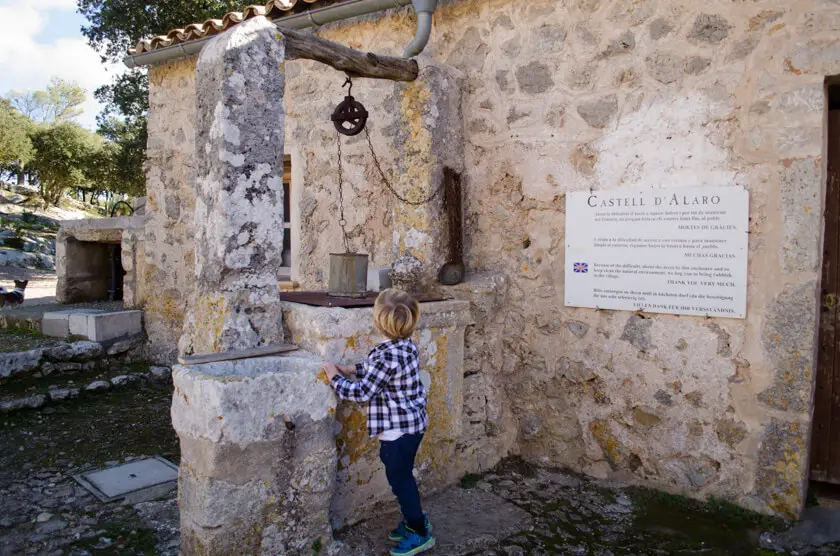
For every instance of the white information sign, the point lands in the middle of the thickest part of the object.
(675, 250)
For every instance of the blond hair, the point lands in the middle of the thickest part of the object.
(396, 314)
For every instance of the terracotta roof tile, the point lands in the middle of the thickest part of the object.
(273, 9)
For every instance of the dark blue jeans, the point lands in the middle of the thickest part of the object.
(398, 457)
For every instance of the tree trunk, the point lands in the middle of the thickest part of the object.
(352, 62)
(20, 174)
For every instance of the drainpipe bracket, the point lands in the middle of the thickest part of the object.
(428, 6)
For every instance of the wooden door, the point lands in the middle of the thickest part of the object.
(825, 439)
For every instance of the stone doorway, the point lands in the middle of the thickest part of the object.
(825, 440)
(97, 260)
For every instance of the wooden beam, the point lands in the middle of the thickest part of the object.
(352, 62)
(233, 355)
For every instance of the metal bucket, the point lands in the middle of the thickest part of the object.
(348, 274)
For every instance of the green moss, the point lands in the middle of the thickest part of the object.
(721, 526)
(812, 501)
(317, 546)
(127, 538)
(469, 480)
(608, 494)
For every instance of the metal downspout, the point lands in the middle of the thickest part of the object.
(425, 11)
(314, 18)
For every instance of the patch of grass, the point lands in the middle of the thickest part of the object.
(22, 339)
(317, 546)
(137, 367)
(126, 539)
(110, 426)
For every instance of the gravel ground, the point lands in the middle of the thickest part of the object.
(515, 510)
(44, 511)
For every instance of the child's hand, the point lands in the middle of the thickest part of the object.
(347, 370)
(330, 369)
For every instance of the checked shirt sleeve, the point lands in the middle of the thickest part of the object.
(377, 373)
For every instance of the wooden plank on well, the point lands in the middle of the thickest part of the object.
(263, 351)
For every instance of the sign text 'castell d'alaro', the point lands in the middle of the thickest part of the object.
(675, 250)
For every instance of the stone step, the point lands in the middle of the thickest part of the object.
(93, 324)
(37, 392)
(67, 357)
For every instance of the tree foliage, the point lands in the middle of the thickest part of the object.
(114, 26)
(63, 155)
(118, 165)
(61, 100)
(15, 145)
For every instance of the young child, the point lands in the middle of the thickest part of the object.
(389, 382)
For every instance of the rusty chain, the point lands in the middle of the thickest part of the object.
(342, 221)
(388, 183)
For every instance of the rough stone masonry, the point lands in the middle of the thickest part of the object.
(563, 96)
(258, 458)
(239, 192)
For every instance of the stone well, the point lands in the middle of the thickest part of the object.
(346, 336)
(270, 463)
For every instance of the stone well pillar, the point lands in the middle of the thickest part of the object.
(430, 138)
(258, 454)
(239, 191)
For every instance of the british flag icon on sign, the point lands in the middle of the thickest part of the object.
(581, 268)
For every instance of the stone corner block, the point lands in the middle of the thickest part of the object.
(57, 323)
(102, 327)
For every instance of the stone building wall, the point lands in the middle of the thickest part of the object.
(167, 273)
(580, 94)
(563, 96)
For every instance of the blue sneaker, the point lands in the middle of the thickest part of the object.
(413, 544)
(402, 530)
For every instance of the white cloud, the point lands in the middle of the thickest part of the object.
(28, 59)
(52, 4)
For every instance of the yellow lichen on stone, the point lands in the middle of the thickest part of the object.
(353, 441)
(613, 449)
(419, 161)
(436, 450)
(210, 313)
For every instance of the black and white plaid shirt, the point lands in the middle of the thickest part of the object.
(389, 381)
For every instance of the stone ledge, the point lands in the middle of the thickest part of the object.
(65, 357)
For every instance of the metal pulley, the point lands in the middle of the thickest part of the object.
(350, 116)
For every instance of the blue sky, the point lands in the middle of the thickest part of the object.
(42, 39)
